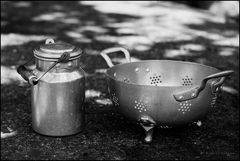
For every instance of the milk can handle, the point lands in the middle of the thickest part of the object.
(32, 79)
(112, 50)
(193, 93)
(64, 57)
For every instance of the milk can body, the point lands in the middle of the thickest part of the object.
(57, 101)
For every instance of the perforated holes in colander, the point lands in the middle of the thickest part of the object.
(187, 81)
(185, 107)
(155, 79)
(214, 99)
(126, 80)
(123, 79)
(140, 106)
(115, 99)
(165, 126)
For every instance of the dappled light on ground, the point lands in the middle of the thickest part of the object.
(226, 51)
(9, 75)
(9, 134)
(158, 23)
(80, 38)
(171, 53)
(19, 39)
(22, 4)
(231, 41)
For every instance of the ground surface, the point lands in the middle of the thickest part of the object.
(149, 30)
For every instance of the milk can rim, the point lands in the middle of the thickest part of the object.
(54, 54)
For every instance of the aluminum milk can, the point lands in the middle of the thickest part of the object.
(58, 89)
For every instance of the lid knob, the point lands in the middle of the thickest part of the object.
(49, 41)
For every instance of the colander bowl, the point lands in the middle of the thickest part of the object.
(163, 93)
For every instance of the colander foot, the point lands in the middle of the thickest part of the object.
(148, 133)
(148, 125)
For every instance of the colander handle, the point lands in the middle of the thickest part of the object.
(113, 50)
(193, 93)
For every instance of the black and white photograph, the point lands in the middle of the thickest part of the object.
(119, 80)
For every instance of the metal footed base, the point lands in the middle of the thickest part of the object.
(148, 125)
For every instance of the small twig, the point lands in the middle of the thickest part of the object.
(6, 135)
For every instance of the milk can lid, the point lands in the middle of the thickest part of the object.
(53, 51)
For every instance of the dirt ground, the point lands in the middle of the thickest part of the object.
(149, 30)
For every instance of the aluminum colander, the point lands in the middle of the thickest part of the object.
(163, 93)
